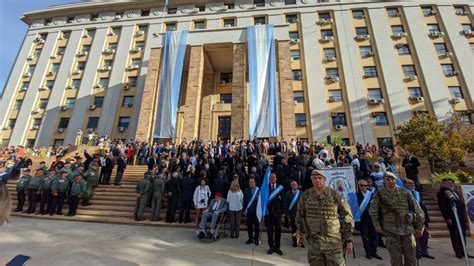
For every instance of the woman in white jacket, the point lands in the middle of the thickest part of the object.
(201, 198)
(235, 199)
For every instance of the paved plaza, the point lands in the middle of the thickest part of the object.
(77, 243)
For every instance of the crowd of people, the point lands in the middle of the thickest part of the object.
(218, 178)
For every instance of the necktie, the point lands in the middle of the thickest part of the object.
(216, 205)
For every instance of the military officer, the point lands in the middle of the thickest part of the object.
(34, 189)
(158, 192)
(46, 196)
(142, 196)
(326, 220)
(396, 214)
(21, 187)
(78, 190)
(91, 176)
(59, 190)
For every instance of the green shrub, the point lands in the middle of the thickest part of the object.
(438, 178)
(464, 177)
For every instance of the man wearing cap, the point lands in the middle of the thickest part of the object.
(396, 214)
(91, 176)
(42, 166)
(46, 196)
(59, 190)
(142, 188)
(34, 189)
(326, 220)
(21, 187)
(78, 190)
(217, 206)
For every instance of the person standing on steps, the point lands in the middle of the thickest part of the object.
(172, 192)
(290, 206)
(21, 188)
(59, 190)
(158, 192)
(250, 211)
(91, 176)
(201, 196)
(78, 191)
(34, 189)
(121, 165)
(186, 198)
(46, 196)
(273, 218)
(141, 190)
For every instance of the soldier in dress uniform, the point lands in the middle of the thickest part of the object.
(34, 189)
(396, 214)
(21, 188)
(91, 176)
(326, 220)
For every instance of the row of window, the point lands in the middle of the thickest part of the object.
(339, 119)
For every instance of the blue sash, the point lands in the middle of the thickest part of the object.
(294, 200)
(274, 193)
(416, 195)
(363, 205)
(254, 196)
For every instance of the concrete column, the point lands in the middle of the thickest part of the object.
(206, 106)
(193, 93)
(429, 66)
(352, 74)
(48, 126)
(87, 86)
(150, 42)
(12, 85)
(314, 77)
(112, 100)
(147, 112)
(461, 50)
(42, 67)
(389, 66)
(239, 93)
(287, 105)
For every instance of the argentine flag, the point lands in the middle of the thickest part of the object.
(263, 196)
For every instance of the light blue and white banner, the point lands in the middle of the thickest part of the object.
(174, 50)
(342, 180)
(263, 88)
(262, 202)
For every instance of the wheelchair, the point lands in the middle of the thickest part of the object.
(221, 230)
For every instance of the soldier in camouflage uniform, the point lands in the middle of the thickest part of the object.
(326, 220)
(396, 214)
(92, 178)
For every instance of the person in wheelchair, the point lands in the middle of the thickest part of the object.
(216, 209)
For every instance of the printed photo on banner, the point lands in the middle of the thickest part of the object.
(468, 193)
(342, 180)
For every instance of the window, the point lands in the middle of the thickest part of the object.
(226, 98)
(70, 102)
(229, 22)
(370, 71)
(127, 101)
(297, 75)
(171, 26)
(76, 83)
(260, 20)
(172, 10)
(49, 84)
(427, 11)
(375, 94)
(31, 69)
(295, 55)
(294, 36)
(30, 143)
(37, 52)
(335, 95)
(403, 50)
(37, 122)
(61, 50)
(63, 122)
(338, 119)
(226, 77)
(433, 27)
(108, 63)
(324, 15)
(201, 8)
(66, 34)
(472, 46)
(18, 104)
(143, 28)
(98, 101)
(86, 48)
(116, 31)
(392, 12)
(90, 32)
(467, 27)
(199, 24)
(300, 120)
(409, 70)
(104, 82)
(43, 103)
(291, 18)
(290, 2)
(25, 84)
(365, 50)
(415, 92)
(55, 67)
(92, 122)
(448, 69)
(140, 44)
(358, 14)
(397, 29)
(230, 6)
(43, 36)
(385, 142)
(112, 46)
(380, 118)
(136, 62)
(132, 81)
(456, 92)
(328, 52)
(58, 142)
(124, 121)
(327, 33)
(259, 3)
(332, 72)
(466, 119)
(81, 65)
(459, 9)
(298, 96)
(11, 123)
(440, 48)
(362, 31)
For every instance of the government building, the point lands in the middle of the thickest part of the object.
(213, 70)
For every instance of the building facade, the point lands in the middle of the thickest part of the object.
(352, 69)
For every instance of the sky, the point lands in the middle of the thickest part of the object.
(12, 30)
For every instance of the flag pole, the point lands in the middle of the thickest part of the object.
(165, 10)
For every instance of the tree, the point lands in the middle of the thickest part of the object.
(444, 145)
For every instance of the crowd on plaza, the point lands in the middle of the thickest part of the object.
(225, 178)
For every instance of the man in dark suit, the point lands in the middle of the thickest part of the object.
(107, 165)
(186, 197)
(220, 184)
(364, 225)
(446, 197)
(154, 160)
(411, 165)
(290, 206)
(250, 211)
(172, 191)
(121, 165)
(273, 218)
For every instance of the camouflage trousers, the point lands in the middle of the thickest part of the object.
(401, 248)
(318, 257)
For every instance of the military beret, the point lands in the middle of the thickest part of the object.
(26, 169)
(40, 170)
(390, 175)
(318, 172)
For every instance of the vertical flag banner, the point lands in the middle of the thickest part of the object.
(468, 193)
(263, 196)
(174, 50)
(263, 91)
(342, 180)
